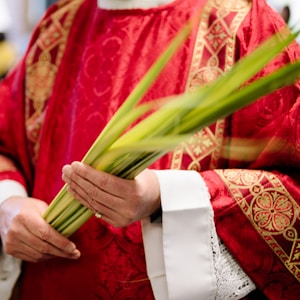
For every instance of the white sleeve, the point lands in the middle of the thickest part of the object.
(10, 267)
(9, 188)
(183, 255)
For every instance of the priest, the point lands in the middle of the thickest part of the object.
(217, 218)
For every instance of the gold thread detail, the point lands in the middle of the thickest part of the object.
(271, 209)
(211, 38)
(42, 63)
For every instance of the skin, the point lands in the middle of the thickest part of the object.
(120, 201)
(26, 235)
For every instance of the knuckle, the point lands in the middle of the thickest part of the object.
(135, 196)
(92, 203)
(44, 234)
(117, 225)
(104, 181)
(9, 245)
(131, 210)
(44, 249)
(12, 234)
(93, 192)
(129, 217)
(81, 170)
(19, 218)
(38, 256)
(123, 223)
(8, 249)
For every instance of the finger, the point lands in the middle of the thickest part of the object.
(93, 205)
(27, 253)
(31, 255)
(79, 182)
(116, 220)
(38, 231)
(66, 172)
(77, 191)
(81, 189)
(106, 214)
(51, 242)
(41, 250)
(24, 242)
(105, 181)
(75, 182)
(82, 196)
(28, 258)
(90, 195)
(116, 210)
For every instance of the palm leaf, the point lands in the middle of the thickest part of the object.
(126, 152)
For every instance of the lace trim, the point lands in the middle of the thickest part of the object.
(232, 281)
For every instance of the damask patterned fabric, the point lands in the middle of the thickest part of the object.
(81, 64)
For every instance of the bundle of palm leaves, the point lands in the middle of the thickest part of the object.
(124, 149)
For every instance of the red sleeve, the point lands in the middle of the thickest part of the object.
(15, 159)
(256, 196)
(11, 166)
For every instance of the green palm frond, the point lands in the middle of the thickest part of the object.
(126, 152)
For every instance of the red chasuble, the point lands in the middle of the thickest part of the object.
(81, 64)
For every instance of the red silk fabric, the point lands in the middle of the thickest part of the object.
(81, 64)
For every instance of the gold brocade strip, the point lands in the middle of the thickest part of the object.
(42, 63)
(213, 55)
(271, 209)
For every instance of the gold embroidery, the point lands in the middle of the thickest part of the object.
(42, 65)
(207, 64)
(40, 80)
(272, 211)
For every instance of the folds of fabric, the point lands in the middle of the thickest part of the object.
(77, 72)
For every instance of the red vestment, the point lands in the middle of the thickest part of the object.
(81, 64)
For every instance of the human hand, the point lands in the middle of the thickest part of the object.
(119, 201)
(26, 235)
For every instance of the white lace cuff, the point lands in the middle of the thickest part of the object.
(232, 282)
(185, 258)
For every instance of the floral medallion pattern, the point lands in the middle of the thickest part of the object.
(271, 210)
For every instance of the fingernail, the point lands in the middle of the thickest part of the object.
(76, 254)
(66, 169)
(70, 248)
(75, 165)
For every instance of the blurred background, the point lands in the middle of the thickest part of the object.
(17, 21)
(19, 17)
(290, 10)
